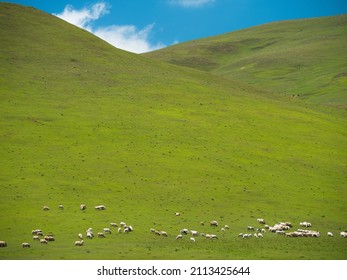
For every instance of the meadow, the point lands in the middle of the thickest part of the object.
(84, 122)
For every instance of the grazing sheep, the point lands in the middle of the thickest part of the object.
(343, 234)
(3, 244)
(122, 224)
(240, 234)
(36, 237)
(100, 207)
(213, 236)
(222, 229)
(177, 214)
(90, 235)
(45, 208)
(101, 235)
(260, 235)
(107, 230)
(61, 207)
(184, 231)
(83, 207)
(80, 236)
(49, 238)
(25, 245)
(226, 227)
(79, 243)
(119, 230)
(163, 233)
(179, 236)
(36, 231)
(261, 221)
(330, 234)
(43, 241)
(113, 225)
(214, 224)
(128, 228)
(194, 232)
(250, 228)
(192, 239)
(305, 224)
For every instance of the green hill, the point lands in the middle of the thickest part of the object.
(84, 122)
(304, 58)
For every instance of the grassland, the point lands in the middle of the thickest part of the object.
(83, 122)
(304, 58)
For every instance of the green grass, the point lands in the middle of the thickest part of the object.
(300, 57)
(83, 122)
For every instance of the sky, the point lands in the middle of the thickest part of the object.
(141, 26)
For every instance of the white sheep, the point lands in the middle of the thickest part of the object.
(61, 207)
(100, 207)
(184, 231)
(107, 230)
(101, 235)
(343, 234)
(214, 224)
(179, 236)
(25, 245)
(79, 243)
(45, 208)
(194, 232)
(80, 236)
(43, 241)
(3, 244)
(83, 207)
(192, 239)
(113, 225)
(261, 221)
(226, 227)
(177, 214)
(330, 234)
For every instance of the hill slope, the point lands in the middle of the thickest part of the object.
(300, 57)
(83, 122)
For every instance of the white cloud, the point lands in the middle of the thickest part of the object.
(126, 37)
(83, 17)
(191, 3)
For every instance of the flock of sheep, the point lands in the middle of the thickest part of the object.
(281, 228)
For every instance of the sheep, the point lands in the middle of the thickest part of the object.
(184, 231)
(222, 229)
(330, 234)
(163, 233)
(246, 235)
(128, 228)
(43, 241)
(214, 224)
(101, 235)
(61, 207)
(152, 230)
(3, 244)
(213, 236)
(80, 236)
(255, 235)
(250, 228)
(45, 208)
(260, 235)
(192, 239)
(36, 237)
(36, 231)
(107, 230)
(122, 224)
(79, 243)
(119, 230)
(179, 236)
(343, 234)
(240, 234)
(113, 225)
(194, 233)
(305, 224)
(25, 245)
(83, 207)
(177, 214)
(90, 235)
(261, 221)
(49, 238)
(202, 223)
(100, 207)
(226, 227)
(203, 234)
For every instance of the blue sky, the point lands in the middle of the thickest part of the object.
(144, 25)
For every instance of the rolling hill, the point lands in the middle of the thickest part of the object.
(84, 122)
(304, 58)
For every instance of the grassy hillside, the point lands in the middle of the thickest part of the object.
(83, 122)
(304, 58)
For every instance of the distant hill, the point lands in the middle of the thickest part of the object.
(305, 58)
(83, 122)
